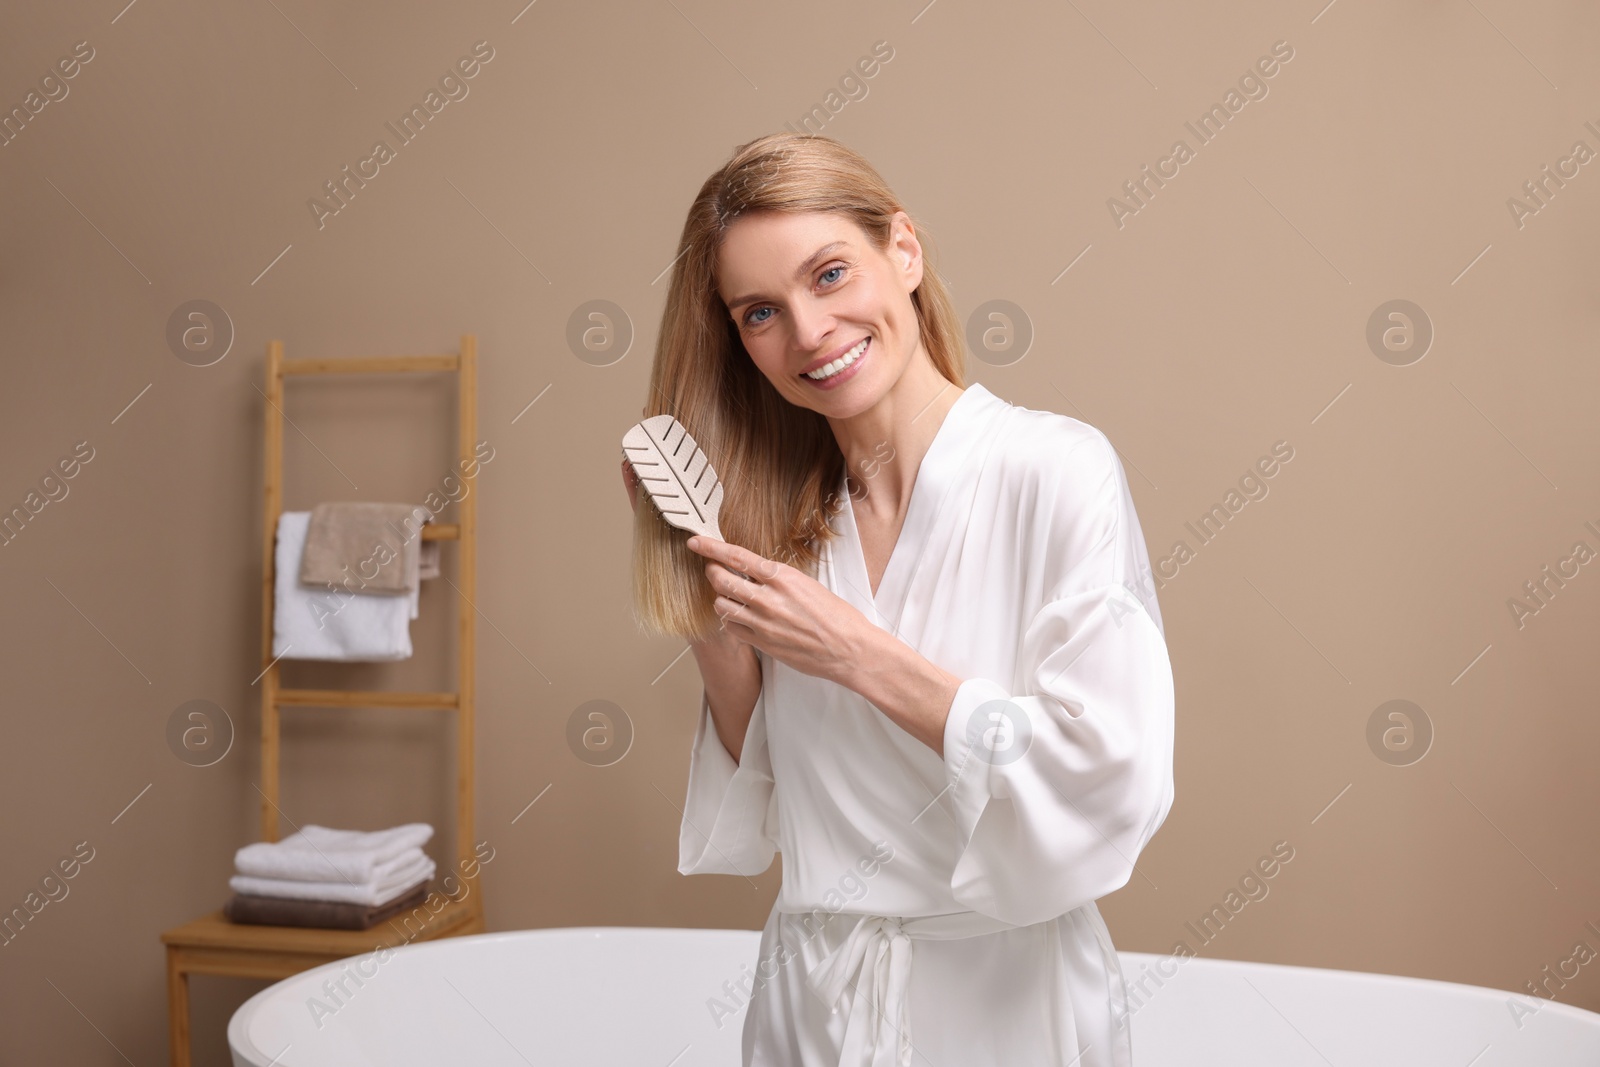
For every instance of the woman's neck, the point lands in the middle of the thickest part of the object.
(884, 445)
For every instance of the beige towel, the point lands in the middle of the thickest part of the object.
(428, 560)
(281, 911)
(364, 547)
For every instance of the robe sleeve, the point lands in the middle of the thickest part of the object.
(730, 816)
(1055, 797)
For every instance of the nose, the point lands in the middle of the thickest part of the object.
(812, 325)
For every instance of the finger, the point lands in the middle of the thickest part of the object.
(736, 557)
(720, 554)
(739, 632)
(722, 551)
(728, 576)
(731, 585)
(732, 613)
(706, 546)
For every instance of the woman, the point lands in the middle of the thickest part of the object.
(935, 673)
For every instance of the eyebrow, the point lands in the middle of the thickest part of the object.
(804, 269)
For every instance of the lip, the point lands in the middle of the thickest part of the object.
(845, 375)
(835, 354)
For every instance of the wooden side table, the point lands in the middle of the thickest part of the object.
(213, 945)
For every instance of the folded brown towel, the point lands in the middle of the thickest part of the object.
(428, 560)
(364, 547)
(326, 914)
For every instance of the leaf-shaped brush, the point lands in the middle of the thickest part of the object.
(678, 475)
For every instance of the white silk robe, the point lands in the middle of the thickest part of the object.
(1021, 569)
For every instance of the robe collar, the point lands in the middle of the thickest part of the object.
(962, 438)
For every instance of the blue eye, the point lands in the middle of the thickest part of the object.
(749, 320)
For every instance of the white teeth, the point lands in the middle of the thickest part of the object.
(829, 370)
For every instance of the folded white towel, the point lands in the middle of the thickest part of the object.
(320, 854)
(325, 624)
(369, 893)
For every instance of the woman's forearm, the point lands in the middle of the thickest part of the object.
(732, 675)
(915, 693)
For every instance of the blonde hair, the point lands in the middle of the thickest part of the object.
(779, 463)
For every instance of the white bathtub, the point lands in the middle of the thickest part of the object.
(635, 996)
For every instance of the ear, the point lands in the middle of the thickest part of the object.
(907, 256)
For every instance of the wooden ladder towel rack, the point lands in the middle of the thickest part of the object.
(213, 945)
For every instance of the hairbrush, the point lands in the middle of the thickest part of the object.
(676, 474)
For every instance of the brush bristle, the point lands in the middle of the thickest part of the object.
(639, 490)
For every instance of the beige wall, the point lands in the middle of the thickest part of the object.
(1226, 315)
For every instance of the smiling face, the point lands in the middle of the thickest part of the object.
(806, 290)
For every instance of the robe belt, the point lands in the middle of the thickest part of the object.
(875, 958)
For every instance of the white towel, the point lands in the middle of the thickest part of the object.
(332, 624)
(370, 893)
(318, 854)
